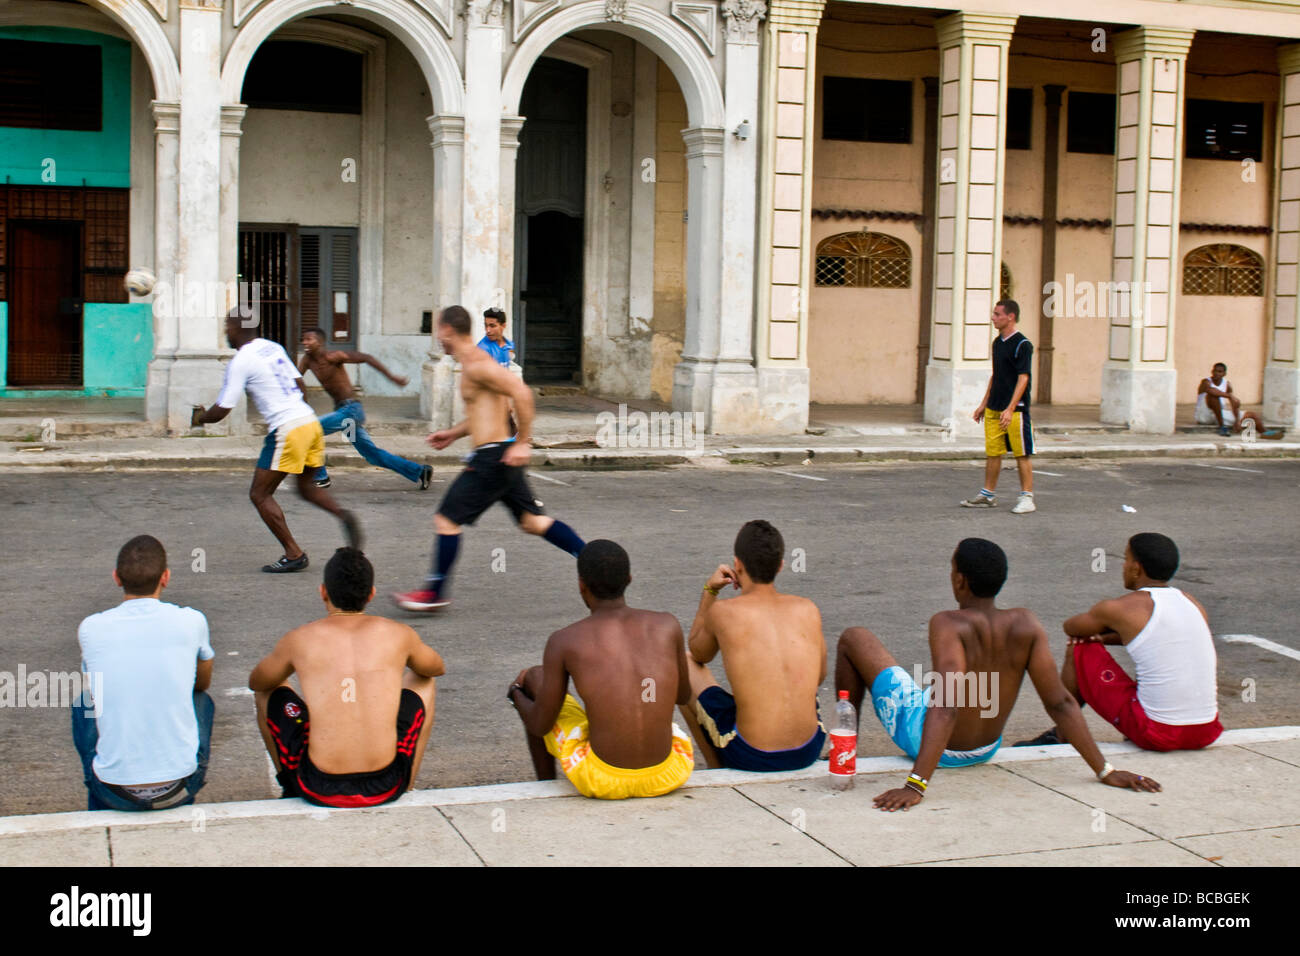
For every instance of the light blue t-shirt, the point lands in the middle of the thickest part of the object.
(147, 652)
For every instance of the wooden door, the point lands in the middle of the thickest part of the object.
(45, 304)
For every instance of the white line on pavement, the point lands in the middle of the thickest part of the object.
(795, 474)
(554, 481)
(1253, 471)
(239, 692)
(1261, 642)
(1054, 474)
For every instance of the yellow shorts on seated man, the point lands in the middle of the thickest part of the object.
(629, 665)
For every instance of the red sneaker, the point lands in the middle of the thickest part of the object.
(419, 600)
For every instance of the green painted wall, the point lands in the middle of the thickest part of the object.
(81, 158)
(117, 346)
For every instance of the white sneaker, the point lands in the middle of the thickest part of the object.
(1024, 505)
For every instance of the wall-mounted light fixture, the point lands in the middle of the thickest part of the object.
(742, 131)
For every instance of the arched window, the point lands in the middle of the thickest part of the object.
(868, 260)
(1223, 269)
(1004, 287)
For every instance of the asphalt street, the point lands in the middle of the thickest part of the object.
(873, 546)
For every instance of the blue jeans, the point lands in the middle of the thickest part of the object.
(85, 735)
(352, 412)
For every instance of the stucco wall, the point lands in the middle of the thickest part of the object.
(290, 168)
(670, 235)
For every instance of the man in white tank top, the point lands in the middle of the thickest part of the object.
(1173, 703)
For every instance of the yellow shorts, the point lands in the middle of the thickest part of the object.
(592, 777)
(292, 447)
(1018, 439)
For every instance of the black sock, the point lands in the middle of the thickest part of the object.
(444, 556)
(564, 538)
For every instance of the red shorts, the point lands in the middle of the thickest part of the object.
(1106, 686)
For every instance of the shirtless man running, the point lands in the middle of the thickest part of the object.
(979, 653)
(775, 659)
(629, 666)
(494, 471)
(348, 416)
(357, 734)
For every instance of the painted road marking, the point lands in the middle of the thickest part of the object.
(795, 474)
(1261, 642)
(1052, 473)
(554, 481)
(239, 692)
(1253, 471)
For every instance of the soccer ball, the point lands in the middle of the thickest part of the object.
(140, 281)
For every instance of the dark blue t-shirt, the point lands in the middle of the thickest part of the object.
(1011, 358)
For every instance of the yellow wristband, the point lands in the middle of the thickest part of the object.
(709, 590)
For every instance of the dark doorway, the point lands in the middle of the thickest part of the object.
(550, 196)
(45, 304)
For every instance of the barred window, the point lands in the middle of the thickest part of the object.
(864, 259)
(1004, 287)
(1223, 269)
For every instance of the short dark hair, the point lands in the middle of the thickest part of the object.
(1010, 306)
(1157, 554)
(760, 548)
(140, 564)
(251, 322)
(314, 330)
(349, 577)
(497, 314)
(983, 564)
(1218, 365)
(455, 318)
(604, 567)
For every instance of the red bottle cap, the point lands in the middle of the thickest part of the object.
(844, 695)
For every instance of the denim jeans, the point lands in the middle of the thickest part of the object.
(348, 418)
(85, 735)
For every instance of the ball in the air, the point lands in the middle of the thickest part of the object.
(140, 281)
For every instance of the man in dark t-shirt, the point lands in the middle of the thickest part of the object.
(1005, 411)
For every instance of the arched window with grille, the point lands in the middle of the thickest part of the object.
(868, 260)
(1223, 269)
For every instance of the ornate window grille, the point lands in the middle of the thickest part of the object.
(867, 260)
(1223, 269)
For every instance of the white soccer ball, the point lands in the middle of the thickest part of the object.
(140, 281)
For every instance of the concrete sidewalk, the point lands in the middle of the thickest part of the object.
(1235, 804)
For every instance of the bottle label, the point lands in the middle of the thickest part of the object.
(844, 753)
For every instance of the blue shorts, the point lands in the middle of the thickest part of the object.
(901, 705)
(715, 709)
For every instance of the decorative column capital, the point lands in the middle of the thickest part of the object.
(1164, 42)
(166, 116)
(510, 127)
(704, 141)
(974, 27)
(232, 119)
(201, 4)
(742, 18)
(448, 129)
(487, 12)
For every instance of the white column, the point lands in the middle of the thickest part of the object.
(197, 299)
(167, 124)
(232, 121)
(968, 233)
(481, 243)
(437, 392)
(786, 133)
(1138, 381)
(693, 376)
(504, 295)
(1281, 372)
(641, 256)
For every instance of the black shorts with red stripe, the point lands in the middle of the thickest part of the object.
(287, 719)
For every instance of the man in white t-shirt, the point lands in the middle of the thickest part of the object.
(1173, 704)
(1217, 404)
(295, 442)
(144, 740)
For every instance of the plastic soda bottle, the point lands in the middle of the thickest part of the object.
(844, 744)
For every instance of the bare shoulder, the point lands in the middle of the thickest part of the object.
(950, 621)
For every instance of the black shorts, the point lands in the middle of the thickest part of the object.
(483, 483)
(287, 719)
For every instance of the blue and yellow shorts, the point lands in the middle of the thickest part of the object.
(1017, 439)
(293, 447)
(592, 777)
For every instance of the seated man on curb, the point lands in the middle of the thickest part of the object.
(1174, 703)
(357, 734)
(144, 741)
(1217, 404)
(629, 665)
(978, 651)
(775, 658)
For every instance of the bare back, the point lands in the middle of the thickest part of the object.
(628, 665)
(350, 669)
(487, 407)
(329, 371)
(995, 648)
(775, 657)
